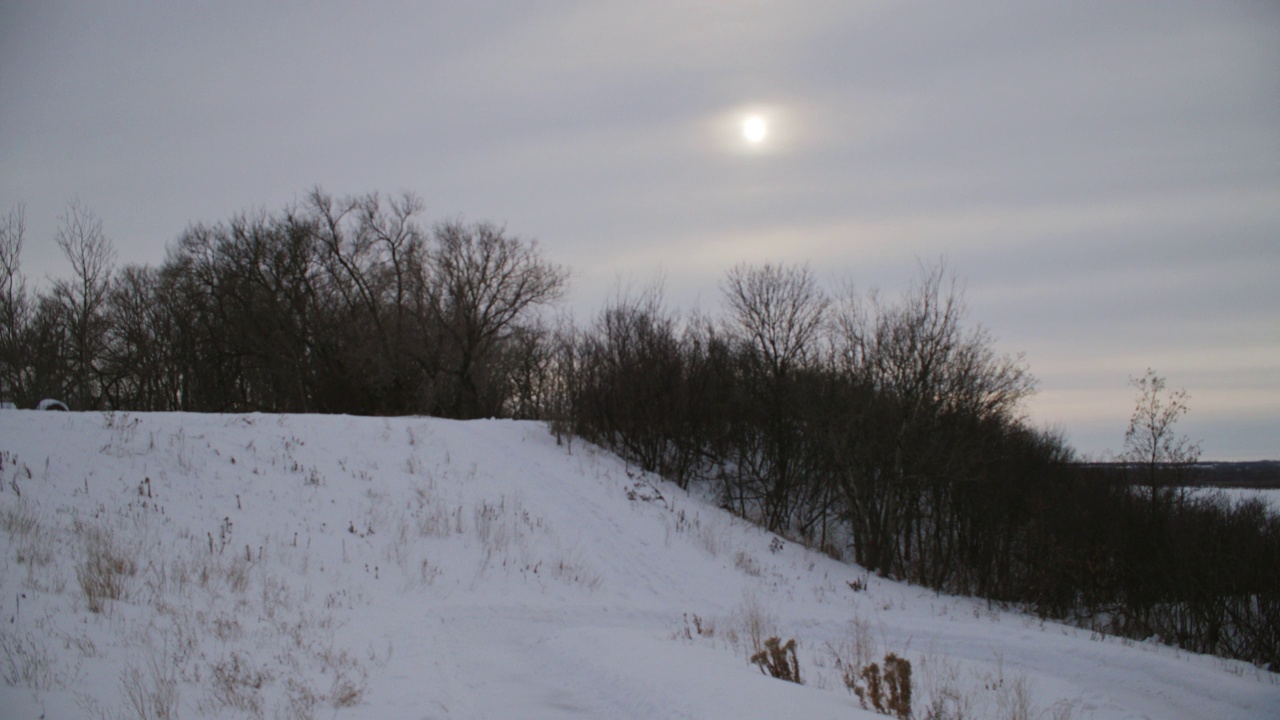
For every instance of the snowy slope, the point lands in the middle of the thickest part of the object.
(320, 566)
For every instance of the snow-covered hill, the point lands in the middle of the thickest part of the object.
(169, 565)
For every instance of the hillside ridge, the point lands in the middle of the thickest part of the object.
(181, 565)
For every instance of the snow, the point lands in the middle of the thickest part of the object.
(1269, 496)
(331, 566)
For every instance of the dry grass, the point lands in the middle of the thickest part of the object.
(747, 564)
(189, 619)
(301, 701)
(942, 684)
(104, 572)
(33, 546)
(754, 623)
(152, 689)
(28, 661)
(955, 695)
(19, 520)
(1013, 698)
(235, 683)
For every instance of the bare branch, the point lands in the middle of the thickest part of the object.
(778, 309)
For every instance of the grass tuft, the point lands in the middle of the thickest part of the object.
(104, 571)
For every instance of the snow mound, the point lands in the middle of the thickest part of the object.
(177, 565)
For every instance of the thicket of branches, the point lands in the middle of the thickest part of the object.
(884, 429)
(349, 306)
(890, 430)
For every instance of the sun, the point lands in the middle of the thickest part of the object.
(754, 129)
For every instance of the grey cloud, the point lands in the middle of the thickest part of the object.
(1105, 175)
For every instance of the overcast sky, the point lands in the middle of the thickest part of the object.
(1104, 176)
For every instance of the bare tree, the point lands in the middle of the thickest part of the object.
(939, 395)
(778, 309)
(13, 230)
(627, 391)
(373, 251)
(485, 284)
(1151, 441)
(141, 367)
(83, 297)
(777, 316)
(350, 305)
(919, 350)
(14, 307)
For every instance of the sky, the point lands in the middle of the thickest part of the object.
(1104, 177)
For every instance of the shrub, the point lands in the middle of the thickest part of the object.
(887, 692)
(778, 660)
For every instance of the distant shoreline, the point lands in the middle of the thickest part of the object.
(1253, 474)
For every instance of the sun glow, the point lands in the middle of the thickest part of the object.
(752, 129)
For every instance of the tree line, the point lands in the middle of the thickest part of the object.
(890, 430)
(886, 430)
(335, 306)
